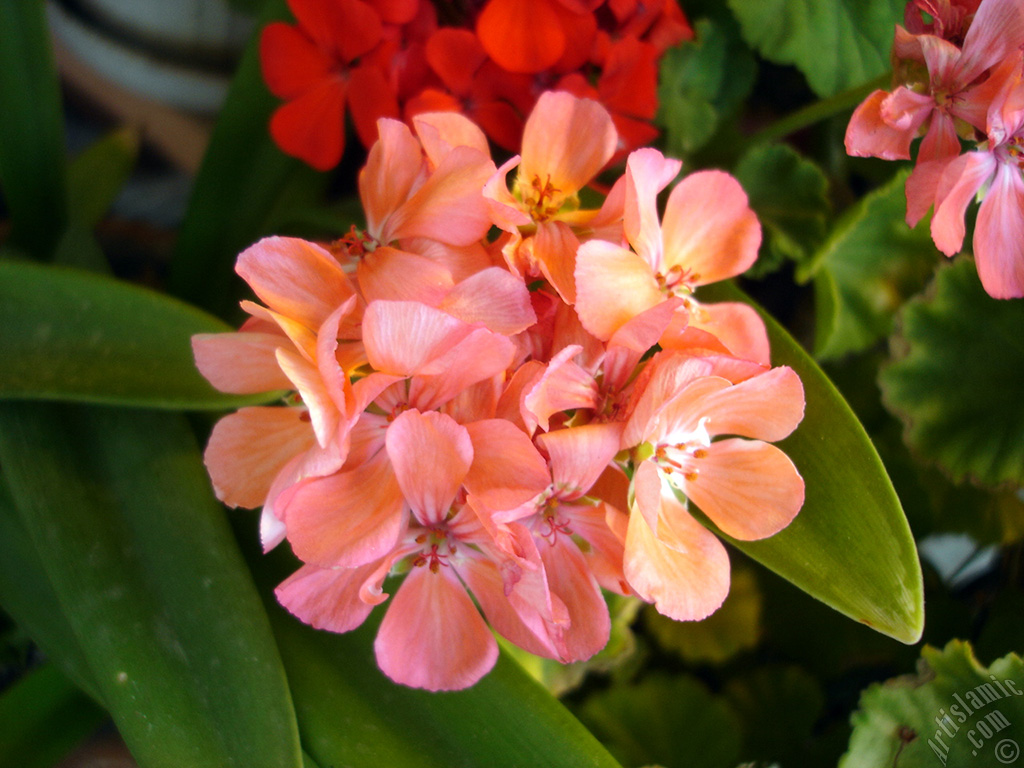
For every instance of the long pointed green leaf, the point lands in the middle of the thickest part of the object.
(44, 717)
(32, 164)
(850, 546)
(148, 574)
(96, 176)
(243, 176)
(27, 595)
(66, 334)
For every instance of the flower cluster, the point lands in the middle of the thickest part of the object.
(958, 75)
(513, 424)
(395, 59)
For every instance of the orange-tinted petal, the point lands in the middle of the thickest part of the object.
(684, 570)
(370, 97)
(455, 55)
(709, 229)
(521, 35)
(749, 489)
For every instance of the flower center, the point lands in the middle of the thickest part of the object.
(676, 460)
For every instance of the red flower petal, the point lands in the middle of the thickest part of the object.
(521, 35)
(291, 62)
(311, 127)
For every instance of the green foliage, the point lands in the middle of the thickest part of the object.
(837, 45)
(44, 717)
(151, 583)
(72, 335)
(789, 194)
(674, 722)
(32, 163)
(241, 181)
(870, 265)
(96, 176)
(955, 379)
(734, 627)
(850, 545)
(954, 712)
(702, 82)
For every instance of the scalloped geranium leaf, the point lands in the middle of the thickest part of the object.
(119, 510)
(955, 712)
(701, 81)
(789, 194)
(66, 334)
(673, 722)
(870, 265)
(850, 545)
(836, 44)
(956, 379)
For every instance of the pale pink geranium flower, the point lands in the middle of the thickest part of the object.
(708, 233)
(305, 340)
(994, 171)
(885, 124)
(578, 552)
(421, 358)
(747, 487)
(432, 635)
(566, 142)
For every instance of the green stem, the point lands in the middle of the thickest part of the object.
(818, 111)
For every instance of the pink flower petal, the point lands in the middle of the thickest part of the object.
(613, 286)
(959, 184)
(507, 469)
(431, 455)
(295, 278)
(394, 163)
(566, 141)
(648, 172)
(248, 448)
(240, 363)
(347, 519)
(869, 135)
(326, 598)
(571, 580)
(494, 298)
(999, 236)
(579, 455)
(432, 635)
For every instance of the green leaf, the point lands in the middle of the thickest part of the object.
(27, 595)
(701, 81)
(779, 707)
(870, 265)
(954, 712)
(850, 545)
(66, 334)
(671, 721)
(956, 377)
(118, 506)
(97, 175)
(734, 627)
(32, 164)
(242, 179)
(44, 717)
(789, 194)
(836, 45)
(350, 714)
